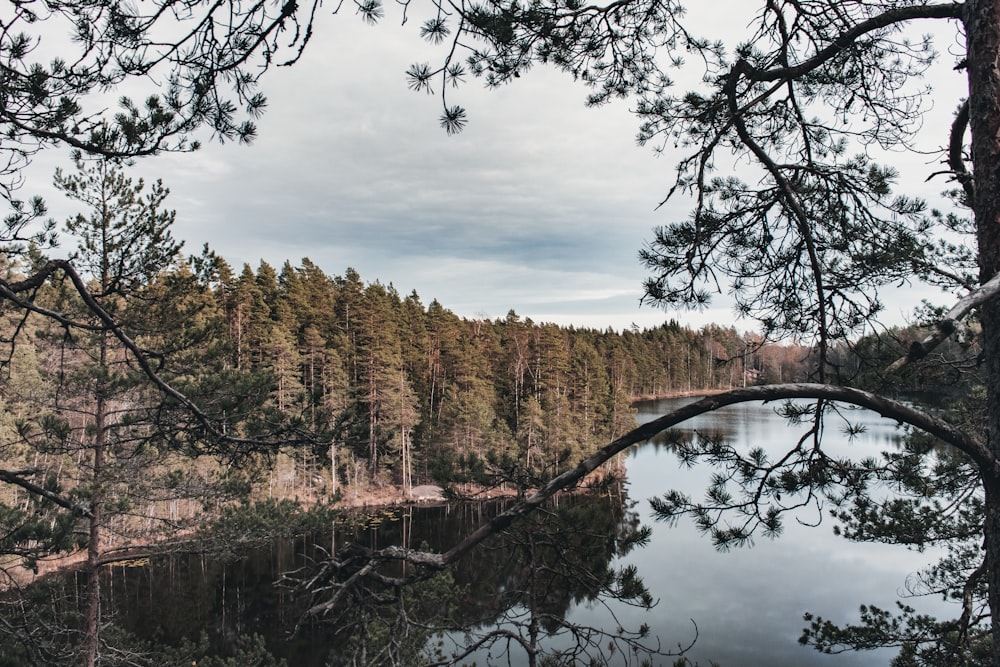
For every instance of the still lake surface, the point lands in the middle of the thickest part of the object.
(747, 603)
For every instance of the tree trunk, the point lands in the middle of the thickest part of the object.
(333, 467)
(372, 418)
(93, 610)
(982, 23)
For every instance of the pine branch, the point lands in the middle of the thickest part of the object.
(953, 10)
(888, 408)
(108, 323)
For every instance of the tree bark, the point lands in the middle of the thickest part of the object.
(982, 23)
(94, 547)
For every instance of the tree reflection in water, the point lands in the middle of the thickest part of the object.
(508, 602)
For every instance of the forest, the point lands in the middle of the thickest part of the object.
(149, 398)
(154, 396)
(355, 385)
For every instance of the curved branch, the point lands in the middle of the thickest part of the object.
(110, 324)
(952, 10)
(968, 591)
(939, 428)
(950, 323)
(888, 408)
(933, 268)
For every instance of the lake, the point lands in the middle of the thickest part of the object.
(747, 603)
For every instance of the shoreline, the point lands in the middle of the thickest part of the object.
(16, 576)
(370, 499)
(693, 393)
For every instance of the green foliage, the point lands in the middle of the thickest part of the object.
(125, 242)
(206, 78)
(57, 645)
(420, 395)
(922, 640)
(99, 432)
(36, 532)
(250, 652)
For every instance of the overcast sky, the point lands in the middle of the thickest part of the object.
(540, 205)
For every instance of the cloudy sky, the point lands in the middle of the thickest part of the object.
(540, 205)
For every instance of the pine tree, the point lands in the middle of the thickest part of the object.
(123, 244)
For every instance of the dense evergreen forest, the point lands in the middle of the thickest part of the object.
(415, 393)
(365, 387)
(150, 399)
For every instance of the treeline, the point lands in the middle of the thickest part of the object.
(375, 388)
(413, 393)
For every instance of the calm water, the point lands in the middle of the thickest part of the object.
(747, 603)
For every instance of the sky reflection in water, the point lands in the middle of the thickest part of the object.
(748, 603)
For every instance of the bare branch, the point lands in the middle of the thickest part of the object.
(893, 16)
(742, 67)
(955, 143)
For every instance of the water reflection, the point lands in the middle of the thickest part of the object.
(509, 600)
(532, 587)
(846, 429)
(558, 560)
(749, 602)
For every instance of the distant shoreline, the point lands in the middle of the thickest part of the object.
(370, 499)
(693, 393)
